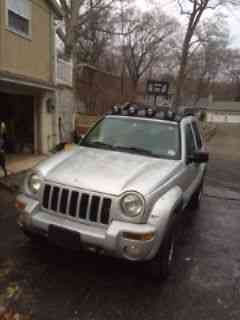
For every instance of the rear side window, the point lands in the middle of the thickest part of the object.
(190, 144)
(197, 135)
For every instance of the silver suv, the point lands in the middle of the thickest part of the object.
(122, 189)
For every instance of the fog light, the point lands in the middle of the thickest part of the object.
(133, 251)
(20, 205)
(138, 236)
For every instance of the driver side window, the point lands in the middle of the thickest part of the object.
(190, 144)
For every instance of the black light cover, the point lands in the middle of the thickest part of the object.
(150, 112)
(132, 110)
(116, 110)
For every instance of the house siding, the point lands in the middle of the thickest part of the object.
(32, 57)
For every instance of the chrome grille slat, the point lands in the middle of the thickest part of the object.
(50, 197)
(68, 202)
(99, 210)
(59, 199)
(88, 208)
(79, 205)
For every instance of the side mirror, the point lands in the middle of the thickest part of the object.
(199, 157)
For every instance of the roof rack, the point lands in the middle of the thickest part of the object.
(142, 110)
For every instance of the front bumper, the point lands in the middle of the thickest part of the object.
(111, 240)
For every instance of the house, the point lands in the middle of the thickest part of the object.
(27, 73)
(223, 112)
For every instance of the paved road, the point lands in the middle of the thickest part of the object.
(52, 284)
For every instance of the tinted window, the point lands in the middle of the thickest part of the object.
(190, 144)
(126, 134)
(197, 135)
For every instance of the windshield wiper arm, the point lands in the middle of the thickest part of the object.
(136, 150)
(98, 144)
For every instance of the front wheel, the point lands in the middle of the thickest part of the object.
(196, 198)
(34, 238)
(161, 266)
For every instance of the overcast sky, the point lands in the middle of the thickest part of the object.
(170, 7)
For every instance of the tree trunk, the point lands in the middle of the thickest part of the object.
(198, 9)
(135, 86)
(182, 71)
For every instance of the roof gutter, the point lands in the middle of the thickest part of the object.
(56, 8)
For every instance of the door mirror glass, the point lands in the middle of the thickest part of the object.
(199, 157)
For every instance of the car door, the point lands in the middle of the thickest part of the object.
(200, 168)
(191, 167)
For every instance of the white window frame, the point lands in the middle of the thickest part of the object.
(11, 29)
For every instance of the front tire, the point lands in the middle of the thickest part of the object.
(196, 198)
(162, 264)
(34, 238)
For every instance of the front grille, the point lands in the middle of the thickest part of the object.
(79, 205)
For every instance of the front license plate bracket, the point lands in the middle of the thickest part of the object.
(64, 237)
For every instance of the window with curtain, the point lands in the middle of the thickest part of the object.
(19, 16)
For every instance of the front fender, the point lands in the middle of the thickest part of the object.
(163, 213)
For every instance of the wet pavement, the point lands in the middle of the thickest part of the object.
(49, 283)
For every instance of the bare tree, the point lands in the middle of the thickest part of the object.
(212, 39)
(142, 46)
(231, 72)
(193, 10)
(76, 14)
(92, 43)
(88, 31)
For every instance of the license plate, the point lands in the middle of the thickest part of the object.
(64, 238)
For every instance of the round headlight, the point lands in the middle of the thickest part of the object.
(34, 183)
(132, 205)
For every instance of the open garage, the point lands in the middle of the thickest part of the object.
(17, 113)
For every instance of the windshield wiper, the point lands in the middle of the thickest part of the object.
(136, 150)
(98, 144)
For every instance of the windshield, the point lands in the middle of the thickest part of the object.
(140, 136)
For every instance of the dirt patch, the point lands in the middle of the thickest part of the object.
(208, 131)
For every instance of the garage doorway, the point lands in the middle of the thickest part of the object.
(17, 112)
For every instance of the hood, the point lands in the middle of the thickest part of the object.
(109, 172)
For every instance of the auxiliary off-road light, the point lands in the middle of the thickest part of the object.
(150, 112)
(161, 115)
(132, 110)
(116, 110)
(170, 115)
(142, 113)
